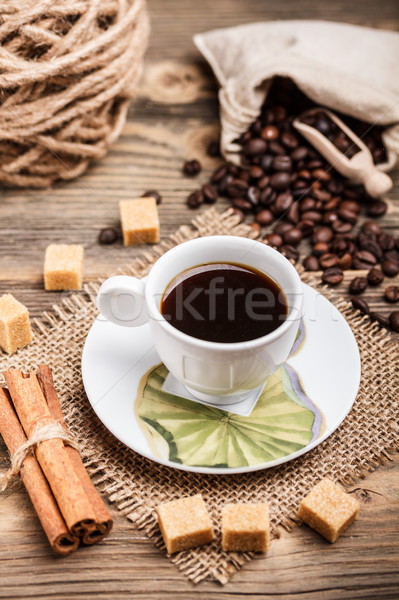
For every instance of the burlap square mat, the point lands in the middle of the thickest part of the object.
(138, 485)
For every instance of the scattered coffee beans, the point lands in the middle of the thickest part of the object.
(375, 277)
(191, 167)
(358, 285)
(108, 236)
(392, 294)
(153, 194)
(286, 186)
(332, 276)
(360, 304)
(394, 320)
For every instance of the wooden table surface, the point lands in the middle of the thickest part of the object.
(174, 116)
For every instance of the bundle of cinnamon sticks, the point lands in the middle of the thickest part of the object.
(62, 493)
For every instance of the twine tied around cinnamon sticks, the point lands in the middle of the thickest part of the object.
(62, 493)
(48, 432)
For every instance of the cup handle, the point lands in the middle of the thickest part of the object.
(121, 301)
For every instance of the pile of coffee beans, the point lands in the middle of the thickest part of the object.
(286, 186)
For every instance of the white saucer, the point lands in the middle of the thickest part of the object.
(305, 402)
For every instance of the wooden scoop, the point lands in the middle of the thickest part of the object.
(360, 168)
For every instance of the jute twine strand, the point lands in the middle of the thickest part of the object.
(69, 70)
(47, 432)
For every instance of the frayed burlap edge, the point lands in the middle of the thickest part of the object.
(137, 485)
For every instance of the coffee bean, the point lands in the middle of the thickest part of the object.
(274, 239)
(307, 204)
(366, 257)
(350, 206)
(283, 202)
(332, 276)
(320, 248)
(303, 174)
(347, 215)
(360, 304)
(311, 215)
(282, 163)
(270, 132)
(380, 319)
(280, 181)
(366, 243)
(289, 140)
(195, 199)
(386, 241)
(281, 228)
(390, 268)
(293, 236)
(394, 320)
(266, 196)
(293, 213)
(238, 213)
(392, 294)
(256, 172)
(254, 147)
(255, 227)
(358, 285)
(322, 234)
(311, 263)
(321, 175)
(392, 255)
(191, 167)
(375, 277)
(210, 193)
(237, 188)
(279, 113)
(329, 217)
(341, 227)
(107, 236)
(371, 227)
(377, 208)
(213, 148)
(290, 252)
(345, 262)
(331, 204)
(154, 194)
(256, 127)
(328, 260)
(397, 243)
(264, 217)
(340, 247)
(299, 153)
(223, 183)
(276, 148)
(242, 204)
(266, 162)
(306, 227)
(253, 195)
(321, 195)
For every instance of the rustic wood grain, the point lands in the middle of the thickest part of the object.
(173, 118)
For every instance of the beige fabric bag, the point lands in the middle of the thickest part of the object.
(354, 70)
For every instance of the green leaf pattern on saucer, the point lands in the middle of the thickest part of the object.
(283, 421)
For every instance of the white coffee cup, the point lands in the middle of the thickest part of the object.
(215, 372)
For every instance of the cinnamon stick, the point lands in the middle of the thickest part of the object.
(51, 454)
(61, 540)
(103, 520)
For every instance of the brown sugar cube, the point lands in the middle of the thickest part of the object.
(63, 267)
(140, 221)
(245, 527)
(328, 509)
(185, 523)
(15, 330)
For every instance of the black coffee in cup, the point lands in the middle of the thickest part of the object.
(224, 302)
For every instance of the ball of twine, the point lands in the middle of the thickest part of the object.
(68, 72)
